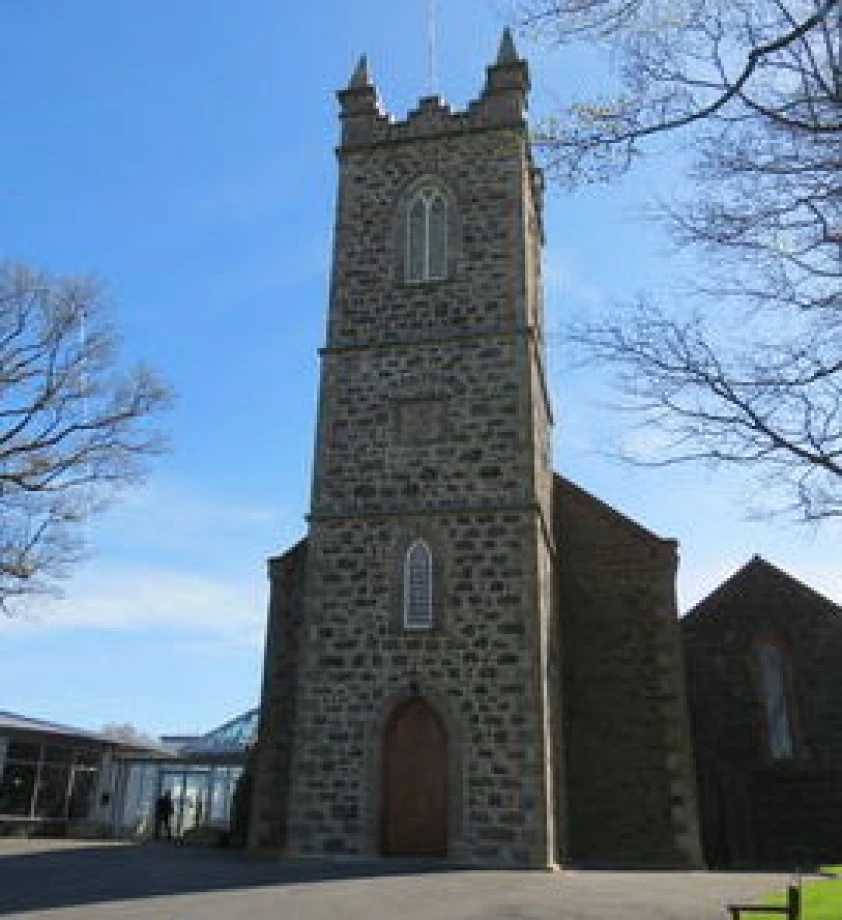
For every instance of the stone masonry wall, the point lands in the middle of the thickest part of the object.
(427, 428)
(755, 809)
(631, 790)
(761, 602)
(268, 824)
(475, 667)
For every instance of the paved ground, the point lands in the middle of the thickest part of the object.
(62, 880)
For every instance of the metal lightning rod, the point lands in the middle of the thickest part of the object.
(432, 75)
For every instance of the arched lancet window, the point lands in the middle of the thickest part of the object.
(418, 587)
(773, 692)
(426, 236)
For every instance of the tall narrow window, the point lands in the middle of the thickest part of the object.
(426, 236)
(418, 587)
(770, 665)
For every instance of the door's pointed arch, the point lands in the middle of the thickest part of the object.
(414, 782)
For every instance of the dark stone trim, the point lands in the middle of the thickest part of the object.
(486, 333)
(369, 514)
(496, 507)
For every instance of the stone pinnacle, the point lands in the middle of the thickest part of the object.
(507, 54)
(361, 76)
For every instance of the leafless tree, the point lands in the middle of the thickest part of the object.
(747, 369)
(74, 428)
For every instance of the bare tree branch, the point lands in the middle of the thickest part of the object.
(74, 428)
(747, 369)
(688, 63)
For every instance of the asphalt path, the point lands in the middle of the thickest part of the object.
(90, 880)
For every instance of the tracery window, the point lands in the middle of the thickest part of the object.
(426, 236)
(773, 692)
(418, 587)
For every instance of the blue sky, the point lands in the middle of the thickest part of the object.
(182, 150)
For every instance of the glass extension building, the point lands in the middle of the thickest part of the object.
(201, 776)
(55, 779)
(58, 780)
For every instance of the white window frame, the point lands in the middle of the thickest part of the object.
(409, 623)
(429, 194)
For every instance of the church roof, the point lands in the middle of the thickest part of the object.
(755, 576)
(606, 511)
(296, 547)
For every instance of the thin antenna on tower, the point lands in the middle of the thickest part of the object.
(432, 76)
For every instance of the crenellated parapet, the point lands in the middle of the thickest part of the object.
(502, 104)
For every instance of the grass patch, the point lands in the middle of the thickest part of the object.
(821, 899)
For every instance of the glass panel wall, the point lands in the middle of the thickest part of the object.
(201, 780)
(55, 754)
(46, 782)
(16, 787)
(190, 789)
(82, 791)
(138, 805)
(52, 788)
(223, 784)
(202, 796)
(23, 750)
(194, 802)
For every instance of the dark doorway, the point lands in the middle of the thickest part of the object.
(414, 782)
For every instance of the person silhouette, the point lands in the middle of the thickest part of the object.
(163, 815)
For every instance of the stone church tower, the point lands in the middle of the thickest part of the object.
(412, 697)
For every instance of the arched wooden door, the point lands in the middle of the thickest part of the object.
(414, 785)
